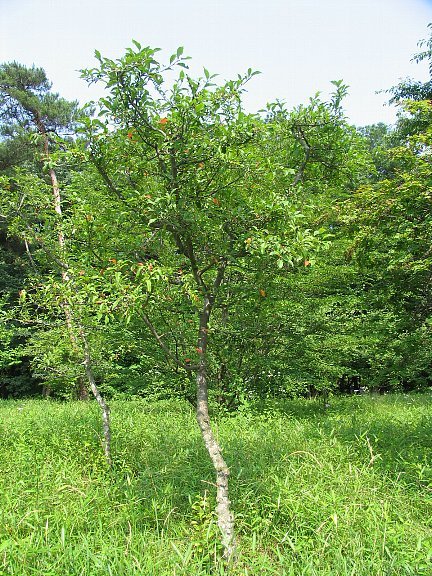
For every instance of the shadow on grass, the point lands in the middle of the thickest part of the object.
(161, 465)
(400, 449)
(170, 461)
(301, 408)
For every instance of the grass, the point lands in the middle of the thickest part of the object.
(343, 491)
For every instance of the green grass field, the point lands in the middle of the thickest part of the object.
(340, 491)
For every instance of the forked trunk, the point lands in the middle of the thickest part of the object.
(225, 517)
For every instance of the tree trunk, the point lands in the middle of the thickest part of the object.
(46, 391)
(225, 517)
(68, 312)
(101, 401)
(81, 390)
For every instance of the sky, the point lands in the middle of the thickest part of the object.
(299, 46)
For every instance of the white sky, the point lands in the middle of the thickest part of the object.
(298, 45)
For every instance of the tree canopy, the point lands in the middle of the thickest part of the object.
(165, 242)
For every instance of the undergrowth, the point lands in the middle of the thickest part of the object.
(343, 490)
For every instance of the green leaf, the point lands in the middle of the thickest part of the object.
(6, 544)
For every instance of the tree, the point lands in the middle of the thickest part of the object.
(413, 90)
(27, 106)
(392, 224)
(188, 210)
(410, 89)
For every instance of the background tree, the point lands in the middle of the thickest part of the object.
(392, 221)
(28, 105)
(15, 376)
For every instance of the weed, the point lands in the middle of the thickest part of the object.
(342, 491)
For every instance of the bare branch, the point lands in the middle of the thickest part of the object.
(162, 344)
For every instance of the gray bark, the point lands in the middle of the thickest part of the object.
(225, 517)
(81, 388)
(106, 425)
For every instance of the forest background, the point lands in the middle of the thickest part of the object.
(329, 250)
(164, 243)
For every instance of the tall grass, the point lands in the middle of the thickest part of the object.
(340, 491)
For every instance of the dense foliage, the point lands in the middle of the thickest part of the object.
(163, 243)
(320, 232)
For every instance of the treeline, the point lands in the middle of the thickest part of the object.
(162, 238)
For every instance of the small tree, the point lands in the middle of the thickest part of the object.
(193, 207)
(27, 106)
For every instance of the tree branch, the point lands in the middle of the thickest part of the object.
(162, 344)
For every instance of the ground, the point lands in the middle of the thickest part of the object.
(343, 490)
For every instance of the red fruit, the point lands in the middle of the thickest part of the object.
(307, 263)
